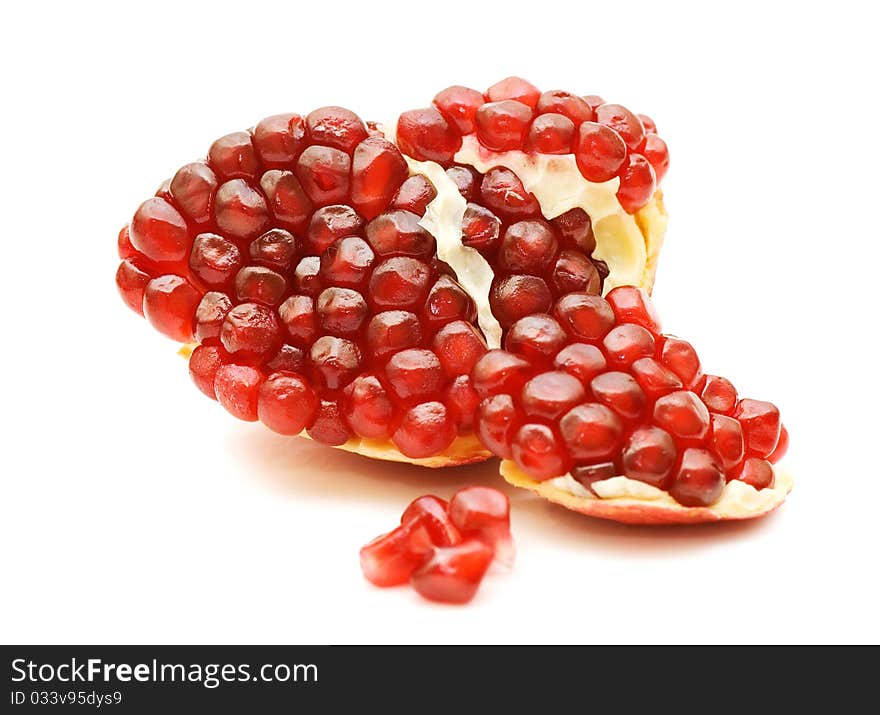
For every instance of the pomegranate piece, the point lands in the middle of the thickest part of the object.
(761, 426)
(390, 559)
(514, 88)
(502, 126)
(426, 135)
(600, 152)
(286, 403)
(336, 127)
(432, 514)
(453, 574)
(237, 388)
(459, 105)
(424, 430)
(170, 304)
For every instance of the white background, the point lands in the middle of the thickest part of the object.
(136, 510)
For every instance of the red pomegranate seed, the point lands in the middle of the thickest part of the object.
(649, 456)
(214, 259)
(551, 134)
(453, 574)
(550, 394)
(588, 474)
(624, 122)
(527, 246)
(275, 249)
(726, 440)
(288, 359)
(192, 189)
(170, 304)
(240, 210)
(390, 559)
(624, 344)
(458, 346)
(539, 452)
(237, 388)
(377, 171)
(131, 282)
(466, 180)
(297, 313)
(391, 331)
(432, 514)
(781, 447)
(399, 233)
(203, 365)
(514, 88)
(367, 407)
(341, 310)
(279, 139)
(647, 123)
(324, 174)
(719, 394)
(657, 153)
(424, 430)
(330, 223)
(448, 301)
(414, 374)
(164, 190)
(399, 283)
(286, 403)
(760, 423)
(234, 157)
(654, 379)
(502, 126)
(504, 194)
(581, 360)
(210, 314)
(255, 284)
(633, 305)
(594, 100)
(497, 420)
(250, 328)
(426, 135)
(347, 262)
(123, 244)
(500, 371)
(484, 513)
(414, 195)
(637, 183)
(462, 400)
(329, 426)
(600, 152)
(574, 272)
(591, 432)
(576, 230)
(536, 337)
(516, 296)
(336, 361)
(680, 357)
(459, 105)
(480, 228)
(569, 105)
(584, 316)
(286, 198)
(336, 127)
(620, 392)
(683, 415)
(159, 231)
(699, 480)
(757, 472)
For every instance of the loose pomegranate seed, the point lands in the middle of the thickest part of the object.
(654, 379)
(279, 139)
(719, 395)
(497, 421)
(426, 135)
(649, 456)
(250, 328)
(335, 360)
(390, 559)
(286, 198)
(502, 126)
(569, 105)
(414, 195)
(484, 513)
(581, 360)
(781, 447)
(657, 153)
(203, 365)
(757, 472)
(341, 310)
(377, 170)
(527, 246)
(480, 228)
(132, 282)
(240, 210)
(459, 105)
(699, 480)
(600, 152)
(448, 301)
(330, 223)
(324, 174)
(336, 127)
(726, 440)
(159, 231)
(192, 189)
(500, 371)
(453, 574)
(536, 337)
(588, 474)
(760, 423)
(683, 415)
(210, 314)
(624, 344)
(347, 262)
(286, 403)
(234, 157)
(432, 514)
(591, 432)
(255, 284)
(399, 233)
(632, 305)
(551, 134)
(367, 407)
(637, 183)
(237, 388)
(551, 394)
(620, 392)
(329, 426)
(584, 316)
(458, 346)
(504, 194)
(288, 359)
(576, 230)
(414, 374)
(466, 180)
(275, 249)
(624, 122)
(170, 304)
(424, 430)
(516, 296)
(391, 331)
(514, 88)
(680, 357)
(297, 313)
(573, 272)
(462, 400)
(399, 283)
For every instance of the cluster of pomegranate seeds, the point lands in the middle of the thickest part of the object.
(608, 140)
(594, 389)
(294, 256)
(443, 549)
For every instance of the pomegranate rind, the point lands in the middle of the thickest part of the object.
(659, 512)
